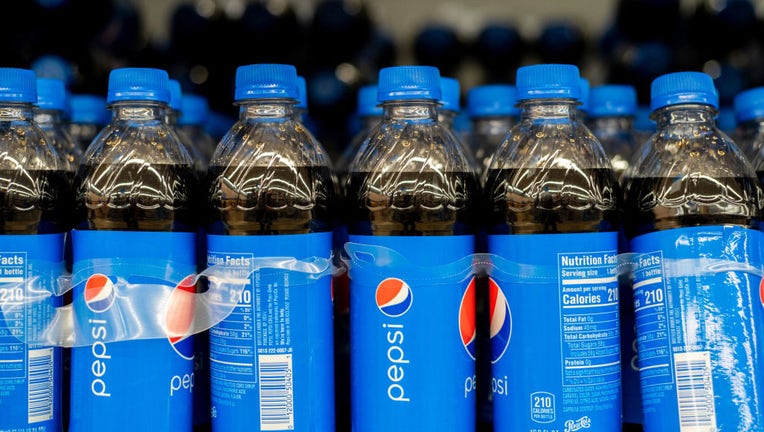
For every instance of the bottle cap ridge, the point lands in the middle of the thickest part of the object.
(548, 81)
(683, 88)
(409, 82)
(138, 84)
(266, 81)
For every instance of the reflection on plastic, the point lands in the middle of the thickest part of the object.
(140, 307)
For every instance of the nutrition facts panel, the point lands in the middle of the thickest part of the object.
(589, 318)
(231, 341)
(12, 352)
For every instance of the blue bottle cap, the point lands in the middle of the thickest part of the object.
(194, 111)
(749, 104)
(683, 88)
(86, 108)
(585, 89)
(176, 95)
(492, 100)
(51, 94)
(612, 100)
(409, 82)
(450, 92)
(368, 105)
(548, 81)
(138, 84)
(266, 81)
(302, 90)
(18, 85)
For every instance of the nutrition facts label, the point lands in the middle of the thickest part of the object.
(652, 320)
(589, 325)
(232, 347)
(12, 350)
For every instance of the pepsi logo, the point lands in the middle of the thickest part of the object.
(99, 293)
(761, 292)
(393, 297)
(467, 326)
(179, 318)
(501, 321)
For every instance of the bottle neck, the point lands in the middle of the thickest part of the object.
(13, 111)
(139, 110)
(685, 114)
(492, 125)
(48, 116)
(446, 118)
(267, 109)
(417, 110)
(613, 123)
(549, 109)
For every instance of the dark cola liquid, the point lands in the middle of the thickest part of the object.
(534, 201)
(137, 197)
(254, 200)
(34, 202)
(654, 204)
(411, 203)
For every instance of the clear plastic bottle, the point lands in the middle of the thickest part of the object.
(412, 190)
(611, 120)
(749, 113)
(88, 116)
(449, 111)
(52, 104)
(173, 114)
(193, 119)
(136, 216)
(693, 208)
(33, 221)
(270, 195)
(493, 112)
(552, 214)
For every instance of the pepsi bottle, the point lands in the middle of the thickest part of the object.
(369, 111)
(748, 107)
(36, 203)
(270, 193)
(694, 206)
(411, 195)
(552, 213)
(136, 222)
(50, 115)
(493, 112)
(87, 116)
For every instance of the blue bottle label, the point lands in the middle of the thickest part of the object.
(700, 325)
(555, 339)
(30, 375)
(130, 385)
(413, 337)
(272, 359)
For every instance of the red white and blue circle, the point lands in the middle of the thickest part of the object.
(501, 321)
(99, 293)
(393, 297)
(467, 326)
(180, 317)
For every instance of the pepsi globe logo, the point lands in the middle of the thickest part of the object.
(501, 321)
(467, 326)
(99, 293)
(393, 297)
(180, 317)
(761, 292)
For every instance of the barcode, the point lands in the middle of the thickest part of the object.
(695, 392)
(40, 390)
(276, 395)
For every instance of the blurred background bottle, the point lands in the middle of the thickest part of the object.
(87, 116)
